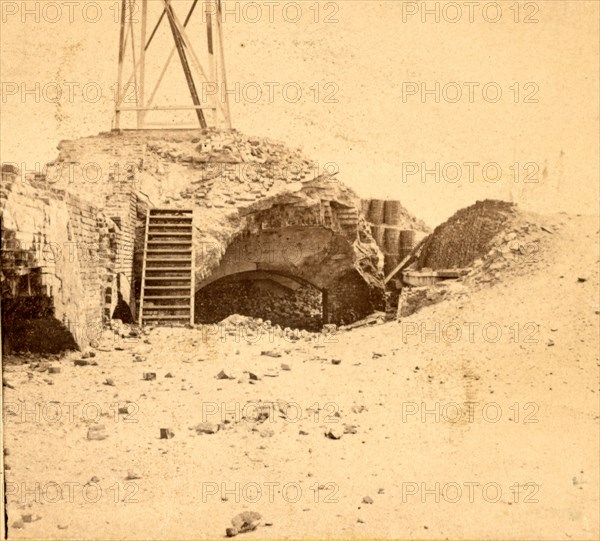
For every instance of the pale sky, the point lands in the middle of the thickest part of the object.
(363, 69)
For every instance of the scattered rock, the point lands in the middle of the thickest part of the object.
(109, 381)
(166, 434)
(367, 499)
(97, 432)
(247, 521)
(131, 475)
(350, 429)
(169, 375)
(270, 354)
(17, 524)
(336, 361)
(207, 428)
(124, 409)
(286, 367)
(81, 362)
(223, 375)
(54, 370)
(334, 433)
(149, 376)
(581, 279)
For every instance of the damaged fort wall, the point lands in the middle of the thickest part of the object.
(59, 263)
(237, 186)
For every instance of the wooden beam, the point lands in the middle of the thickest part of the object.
(190, 48)
(397, 268)
(167, 108)
(179, 43)
(211, 54)
(142, 97)
(120, 71)
(222, 60)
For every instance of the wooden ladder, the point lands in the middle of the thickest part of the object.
(167, 295)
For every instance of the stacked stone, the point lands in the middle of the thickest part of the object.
(466, 236)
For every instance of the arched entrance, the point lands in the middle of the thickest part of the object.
(283, 299)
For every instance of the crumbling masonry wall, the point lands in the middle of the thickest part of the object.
(58, 266)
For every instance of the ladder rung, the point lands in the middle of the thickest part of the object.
(187, 226)
(163, 269)
(165, 297)
(184, 256)
(169, 209)
(157, 251)
(162, 258)
(167, 234)
(170, 242)
(155, 219)
(182, 318)
(166, 287)
(166, 278)
(167, 307)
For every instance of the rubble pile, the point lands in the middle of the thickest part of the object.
(515, 250)
(301, 308)
(502, 239)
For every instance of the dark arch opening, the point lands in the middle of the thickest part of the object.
(122, 310)
(281, 298)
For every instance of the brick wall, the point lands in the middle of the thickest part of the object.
(59, 251)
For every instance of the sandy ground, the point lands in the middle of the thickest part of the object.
(531, 473)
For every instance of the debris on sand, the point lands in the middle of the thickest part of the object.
(247, 521)
(223, 375)
(206, 428)
(166, 434)
(97, 432)
(334, 433)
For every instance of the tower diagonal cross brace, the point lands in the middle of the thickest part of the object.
(192, 66)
